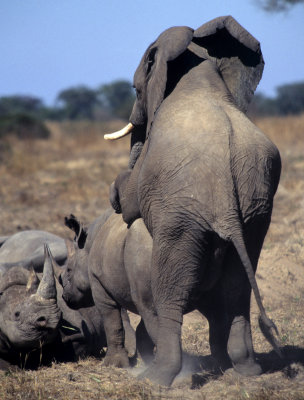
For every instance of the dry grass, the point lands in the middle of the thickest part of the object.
(42, 181)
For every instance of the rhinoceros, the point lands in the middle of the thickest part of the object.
(25, 249)
(29, 312)
(37, 326)
(126, 253)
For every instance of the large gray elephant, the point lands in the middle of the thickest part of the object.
(203, 177)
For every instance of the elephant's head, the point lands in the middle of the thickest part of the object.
(74, 277)
(223, 41)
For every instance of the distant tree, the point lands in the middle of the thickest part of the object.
(20, 104)
(262, 105)
(290, 98)
(24, 126)
(118, 97)
(278, 5)
(78, 102)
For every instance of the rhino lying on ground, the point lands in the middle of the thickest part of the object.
(37, 326)
(29, 313)
(25, 249)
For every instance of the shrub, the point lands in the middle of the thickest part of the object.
(24, 126)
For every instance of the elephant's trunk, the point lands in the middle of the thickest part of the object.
(119, 134)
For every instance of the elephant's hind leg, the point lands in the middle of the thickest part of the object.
(173, 278)
(213, 308)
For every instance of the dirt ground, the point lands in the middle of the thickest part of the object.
(41, 181)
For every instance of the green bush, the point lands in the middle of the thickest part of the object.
(24, 126)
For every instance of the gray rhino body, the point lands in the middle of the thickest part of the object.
(36, 331)
(25, 249)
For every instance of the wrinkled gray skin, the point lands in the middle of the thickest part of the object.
(33, 313)
(204, 184)
(119, 259)
(74, 276)
(29, 312)
(78, 252)
(25, 249)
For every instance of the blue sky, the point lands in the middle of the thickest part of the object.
(50, 45)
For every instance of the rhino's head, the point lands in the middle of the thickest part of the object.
(74, 277)
(29, 314)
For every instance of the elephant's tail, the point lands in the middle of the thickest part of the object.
(266, 324)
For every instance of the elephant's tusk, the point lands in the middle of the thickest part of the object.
(119, 134)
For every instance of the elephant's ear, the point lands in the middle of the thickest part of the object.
(168, 46)
(237, 54)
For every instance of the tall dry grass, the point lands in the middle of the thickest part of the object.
(42, 181)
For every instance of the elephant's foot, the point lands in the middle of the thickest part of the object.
(160, 375)
(117, 358)
(240, 348)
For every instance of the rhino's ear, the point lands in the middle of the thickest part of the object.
(33, 282)
(72, 223)
(80, 232)
(236, 53)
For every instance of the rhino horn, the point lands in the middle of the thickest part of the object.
(56, 267)
(47, 286)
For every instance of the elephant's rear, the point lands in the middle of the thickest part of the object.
(255, 168)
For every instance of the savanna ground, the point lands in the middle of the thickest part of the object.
(41, 181)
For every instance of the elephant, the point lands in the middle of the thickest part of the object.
(25, 249)
(202, 177)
